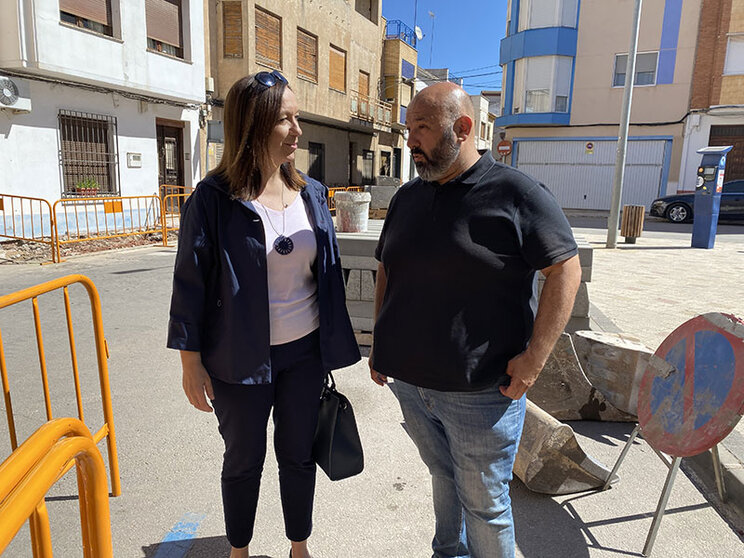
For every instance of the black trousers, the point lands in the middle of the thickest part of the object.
(243, 412)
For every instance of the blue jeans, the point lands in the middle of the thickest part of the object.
(468, 440)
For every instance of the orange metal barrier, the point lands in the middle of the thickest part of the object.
(355, 188)
(29, 219)
(171, 213)
(81, 219)
(29, 472)
(107, 430)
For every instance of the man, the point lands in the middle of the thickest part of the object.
(458, 324)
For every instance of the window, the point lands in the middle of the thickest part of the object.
(307, 55)
(561, 103)
(368, 8)
(232, 29)
(268, 39)
(483, 130)
(536, 14)
(363, 83)
(316, 161)
(645, 70)
(337, 69)
(164, 27)
(735, 187)
(734, 55)
(542, 84)
(94, 15)
(88, 154)
(385, 163)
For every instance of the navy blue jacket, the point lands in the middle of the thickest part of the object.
(220, 301)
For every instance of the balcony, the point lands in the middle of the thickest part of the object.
(377, 112)
(396, 29)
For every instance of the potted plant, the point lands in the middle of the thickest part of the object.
(87, 187)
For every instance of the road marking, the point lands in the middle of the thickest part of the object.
(179, 539)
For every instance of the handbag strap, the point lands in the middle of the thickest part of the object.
(330, 383)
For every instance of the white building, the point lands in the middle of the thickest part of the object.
(483, 124)
(99, 94)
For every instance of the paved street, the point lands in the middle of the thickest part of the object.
(170, 454)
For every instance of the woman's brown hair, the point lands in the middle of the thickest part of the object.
(251, 112)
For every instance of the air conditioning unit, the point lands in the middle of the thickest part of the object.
(15, 94)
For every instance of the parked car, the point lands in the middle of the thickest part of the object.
(678, 208)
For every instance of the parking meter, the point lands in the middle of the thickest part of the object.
(708, 190)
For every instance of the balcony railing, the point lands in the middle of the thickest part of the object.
(396, 29)
(370, 109)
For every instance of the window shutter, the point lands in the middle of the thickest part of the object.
(364, 83)
(94, 10)
(232, 29)
(307, 55)
(337, 74)
(164, 21)
(268, 39)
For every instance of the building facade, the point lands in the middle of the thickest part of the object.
(717, 104)
(331, 53)
(99, 97)
(564, 74)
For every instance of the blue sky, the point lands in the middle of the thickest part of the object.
(466, 36)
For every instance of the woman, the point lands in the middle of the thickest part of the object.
(258, 308)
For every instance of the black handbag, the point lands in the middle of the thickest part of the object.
(337, 448)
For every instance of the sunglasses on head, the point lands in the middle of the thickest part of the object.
(270, 79)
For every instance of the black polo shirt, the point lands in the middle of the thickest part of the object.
(460, 260)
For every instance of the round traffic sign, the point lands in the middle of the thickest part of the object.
(504, 148)
(692, 393)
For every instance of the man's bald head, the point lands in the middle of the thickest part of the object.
(446, 100)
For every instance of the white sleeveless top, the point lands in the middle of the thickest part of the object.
(293, 299)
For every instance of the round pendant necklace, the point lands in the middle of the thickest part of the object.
(283, 244)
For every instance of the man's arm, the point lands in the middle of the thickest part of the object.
(553, 311)
(380, 286)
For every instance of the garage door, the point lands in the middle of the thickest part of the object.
(580, 172)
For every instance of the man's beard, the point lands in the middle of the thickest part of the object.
(434, 165)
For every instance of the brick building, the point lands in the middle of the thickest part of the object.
(717, 101)
(331, 52)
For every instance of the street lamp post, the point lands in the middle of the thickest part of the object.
(622, 142)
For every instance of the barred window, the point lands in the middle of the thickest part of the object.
(268, 39)
(307, 55)
(94, 15)
(88, 154)
(164, 26)
(337, 70)
(232, 27)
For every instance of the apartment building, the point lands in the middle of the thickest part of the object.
(717, 103)
(564, 72)
(331, 53)
(99, 96)
(483, 123)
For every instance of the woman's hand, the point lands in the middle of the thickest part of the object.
(196, 381)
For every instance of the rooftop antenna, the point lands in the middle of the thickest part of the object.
(415, 13)
(431, 45)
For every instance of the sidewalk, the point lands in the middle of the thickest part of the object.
(649, 289)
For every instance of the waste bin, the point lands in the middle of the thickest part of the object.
(352, 211)
(631, 225)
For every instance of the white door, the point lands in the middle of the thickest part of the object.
(580, 175)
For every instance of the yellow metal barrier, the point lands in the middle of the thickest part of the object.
(81, 219)
(107, 430)
(170, 212)
(355, 188)
(29, 472)
(25, 218)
